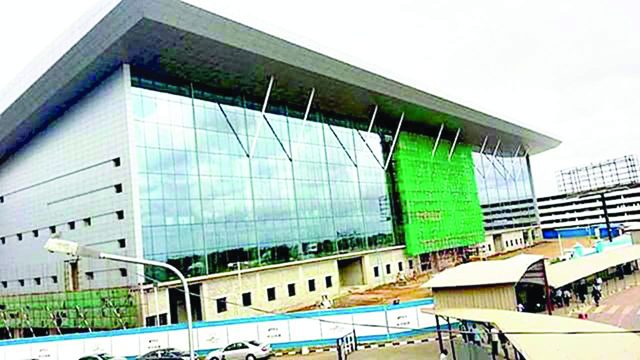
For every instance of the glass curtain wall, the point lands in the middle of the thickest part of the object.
(311, 189)
(504, 188)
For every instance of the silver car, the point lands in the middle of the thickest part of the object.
(241, 350)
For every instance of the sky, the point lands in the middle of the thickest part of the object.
(569, 69)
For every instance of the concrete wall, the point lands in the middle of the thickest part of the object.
(63, 175)
(256, 281)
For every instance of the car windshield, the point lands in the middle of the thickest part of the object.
(254, 343)
(105, 357)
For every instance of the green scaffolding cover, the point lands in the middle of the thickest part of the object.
(438, 196)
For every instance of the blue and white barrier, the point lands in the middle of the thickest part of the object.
(311, 328)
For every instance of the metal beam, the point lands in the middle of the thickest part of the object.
(306, 112)
(435, 146)
(273, 131)
(342, 145)
(235, 133)
(373, 117)
(517, 151)
(484, 144)
(495, 151)
(264, 109)
(453, 146)
(393, 144)
(370, 150)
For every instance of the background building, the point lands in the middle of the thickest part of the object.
(269, 174)
(605, 174)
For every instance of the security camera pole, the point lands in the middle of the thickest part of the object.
(71, 248)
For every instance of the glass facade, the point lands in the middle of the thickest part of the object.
(505, 191)
(311, 189)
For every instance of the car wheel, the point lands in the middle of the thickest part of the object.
(251, 357)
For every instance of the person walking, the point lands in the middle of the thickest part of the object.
(566, 296)
(595, 293)
(464, 331)
(444, 355)
(505, 344)
(476, 334)
(495, 338)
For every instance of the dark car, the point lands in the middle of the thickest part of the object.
(102, 356)
(165, 354)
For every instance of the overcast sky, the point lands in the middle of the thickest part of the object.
(569, 68)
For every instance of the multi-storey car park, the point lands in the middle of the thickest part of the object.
(268, 173)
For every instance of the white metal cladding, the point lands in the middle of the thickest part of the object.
(67, 174)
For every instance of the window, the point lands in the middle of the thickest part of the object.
(312, 285)
(87, 221)
(21, 282)
(54, 279)
(3, 240)
(1, 199)
(221, 305)
(52, 229)
(123, 272)
(120, 214)
(116, 162)
(246, 299)
(400, 266)
(410, 264)
(38, 281)
(72, 225)
(328, 281)
(292, 289)
(118, 188)
(388, 268)
(36, 233)
(376, 271)
(122, 243)
(5, 284)
(19, 237)
(90, 275)
(271, 293)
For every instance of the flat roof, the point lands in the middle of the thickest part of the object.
(478, 273)
(565, 272)
(542, 337)
(174, 39)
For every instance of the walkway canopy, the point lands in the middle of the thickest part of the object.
(486, 284)
(567, 272)
(543, 337)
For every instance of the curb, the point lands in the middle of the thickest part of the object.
(365, 346)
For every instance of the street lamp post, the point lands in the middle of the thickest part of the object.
(74, 249)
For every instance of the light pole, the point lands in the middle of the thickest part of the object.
(74, 249)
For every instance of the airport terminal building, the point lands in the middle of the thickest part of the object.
(267, 173)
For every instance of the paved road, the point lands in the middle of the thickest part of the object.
(405, 352)
(621, 309)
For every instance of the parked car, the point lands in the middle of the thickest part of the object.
(241, 350)
(103, 356)
(165, 354)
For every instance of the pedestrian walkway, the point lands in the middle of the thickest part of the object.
(621, 309)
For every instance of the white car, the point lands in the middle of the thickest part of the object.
(241, 350)
(102, 356)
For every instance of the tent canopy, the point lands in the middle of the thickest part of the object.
(566, 272)
(479, 273)
(542, 337)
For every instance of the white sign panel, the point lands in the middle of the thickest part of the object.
(45, 351)
(212, 337)
(272, 332)
(402, 320)
(304, 329)
(125, 345)
(377, 319)
(333, 327)
(179, 339)
(240, 332)
(97, 345)
(70, 349)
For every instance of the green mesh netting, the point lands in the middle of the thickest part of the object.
(439, 198)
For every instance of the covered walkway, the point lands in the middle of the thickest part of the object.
(543, 337)
(496, 284)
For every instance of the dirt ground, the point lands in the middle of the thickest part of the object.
(385, 294)
(549, 248)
